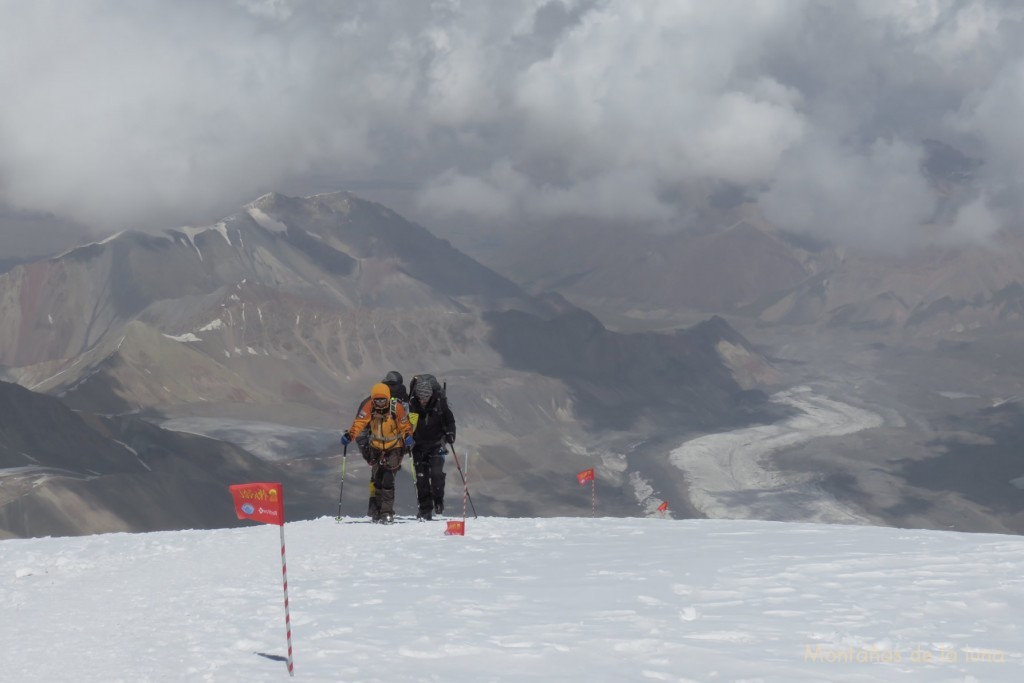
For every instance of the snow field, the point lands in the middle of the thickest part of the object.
(517, 599)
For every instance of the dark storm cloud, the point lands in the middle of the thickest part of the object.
(150, 113)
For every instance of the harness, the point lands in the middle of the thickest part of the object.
(382, 442)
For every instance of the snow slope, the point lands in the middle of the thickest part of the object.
(517, 599)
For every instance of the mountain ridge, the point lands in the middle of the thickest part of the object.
(286, 311)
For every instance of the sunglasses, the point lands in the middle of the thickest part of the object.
(381, 402)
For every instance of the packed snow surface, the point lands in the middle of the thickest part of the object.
(575, 599)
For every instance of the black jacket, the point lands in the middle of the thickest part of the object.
(398, 391)
(435, 422)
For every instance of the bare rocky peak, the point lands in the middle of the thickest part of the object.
(632, 270)
(286, 311)
(932, 293)
(290, 296)
(769, 277)
(69, 473)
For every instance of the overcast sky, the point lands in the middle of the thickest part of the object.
(150, 114)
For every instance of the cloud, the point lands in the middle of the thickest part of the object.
(490, 196)
(869, 196)
(502, 192)
(975, 222)
(149, 113)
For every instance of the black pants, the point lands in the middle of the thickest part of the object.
(388, 462)
(371, 458)
(429, 464)
(373, 506)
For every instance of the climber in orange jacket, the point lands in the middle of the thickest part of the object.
(390, 437)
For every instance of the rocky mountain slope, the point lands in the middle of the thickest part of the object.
(937, 292)
(286, 311)
(927, 337)
(754, 272)
(66, 473)
(725, 258)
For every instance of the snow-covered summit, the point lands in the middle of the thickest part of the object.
(567, 599)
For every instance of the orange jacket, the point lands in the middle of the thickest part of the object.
(389, 429)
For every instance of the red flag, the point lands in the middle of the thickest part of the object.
(455, 528)
(585, 476)
(259, 502)
(663, 506)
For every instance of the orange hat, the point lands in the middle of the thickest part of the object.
(380, 390)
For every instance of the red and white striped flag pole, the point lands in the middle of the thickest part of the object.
(287, 615)
(264, 502)
(458, 527)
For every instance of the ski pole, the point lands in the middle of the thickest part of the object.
(464, 484)
(412, 465)
(341, 489)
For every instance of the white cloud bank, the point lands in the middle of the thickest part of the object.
(152, 113)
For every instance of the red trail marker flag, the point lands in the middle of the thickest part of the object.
(259, 502)
(583, 477)
(663, 507)
(457, 527)
(264, 502)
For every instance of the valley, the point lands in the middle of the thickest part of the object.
(825, 401)
(945, 450)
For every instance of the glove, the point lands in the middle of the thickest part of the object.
(409, 442)
(449, 437)
(346, 439)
